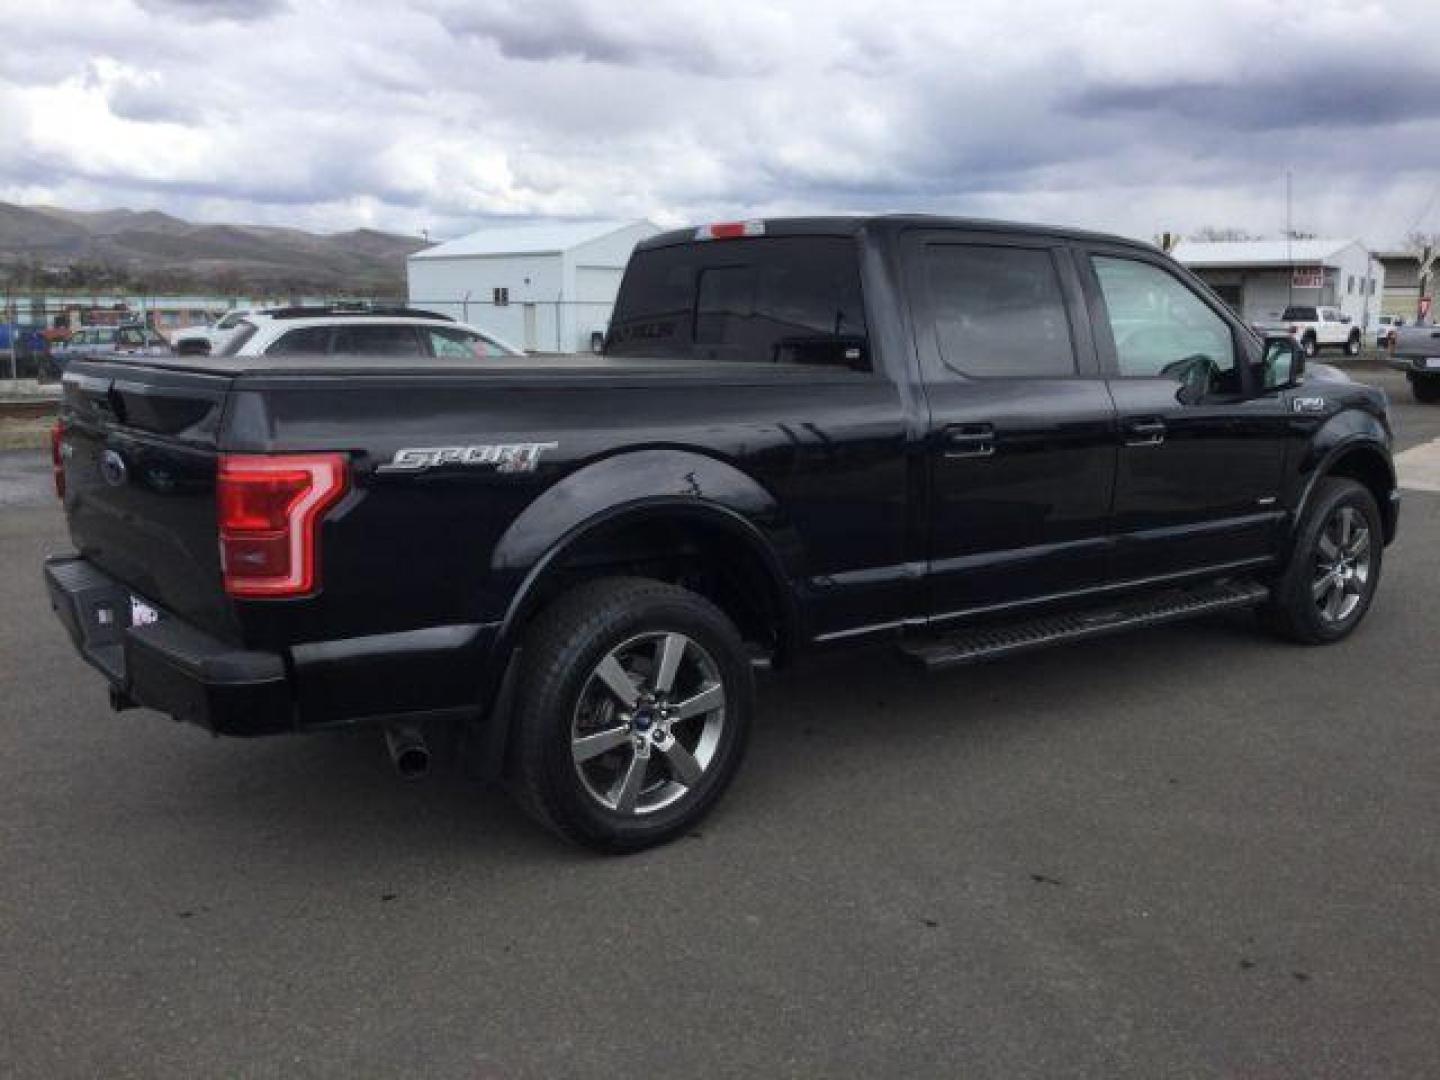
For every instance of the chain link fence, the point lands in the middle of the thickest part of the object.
(35, 330)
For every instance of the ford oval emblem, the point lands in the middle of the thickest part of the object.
(112, 468)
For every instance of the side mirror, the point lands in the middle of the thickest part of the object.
(1284, 362)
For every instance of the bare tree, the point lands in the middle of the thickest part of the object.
(1213, 233)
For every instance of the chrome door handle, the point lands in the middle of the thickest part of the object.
(969, 441)
(1145, 433)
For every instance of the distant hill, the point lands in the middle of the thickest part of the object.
(49, 245)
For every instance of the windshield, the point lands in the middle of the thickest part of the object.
(230, 320)
(244, 332)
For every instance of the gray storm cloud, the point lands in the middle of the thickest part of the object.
(440, 114)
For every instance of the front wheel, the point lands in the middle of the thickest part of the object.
(1310, 345)
(1352, 346)
(634, 713)
(1334, 568)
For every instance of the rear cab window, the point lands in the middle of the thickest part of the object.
(758, 300)
(1300, 314)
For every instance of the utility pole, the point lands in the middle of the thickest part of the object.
(1289, 242)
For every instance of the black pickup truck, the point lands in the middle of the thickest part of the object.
(966, 439)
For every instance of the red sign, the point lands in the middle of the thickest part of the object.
(1308, 277)
(1424, 305)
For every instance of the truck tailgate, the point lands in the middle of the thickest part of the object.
(140, 456)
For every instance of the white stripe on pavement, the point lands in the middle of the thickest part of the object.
(1419, 467)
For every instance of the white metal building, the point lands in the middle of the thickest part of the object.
(1260, 278)
(546, 288)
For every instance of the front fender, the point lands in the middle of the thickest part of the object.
(1348, 431)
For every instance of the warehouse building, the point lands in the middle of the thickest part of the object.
(545, 288)
(1409, 283)
(1261, 278)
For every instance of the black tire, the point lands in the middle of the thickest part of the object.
(1352, 346)
(564, 650)
(1425, 388)
(1296, 608)
(1310, 345)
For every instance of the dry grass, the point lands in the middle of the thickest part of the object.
(25, 433)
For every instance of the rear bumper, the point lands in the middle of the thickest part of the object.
(175, 668)
(1414, 365)
(168, 665)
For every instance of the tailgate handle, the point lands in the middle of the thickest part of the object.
(970, 440)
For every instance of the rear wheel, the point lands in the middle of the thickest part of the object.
(1352, 346)
(1310, 345)
(1334, 568)
(635, 711)
(1425, 388)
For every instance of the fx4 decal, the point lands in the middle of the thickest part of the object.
(1308, 404)
(505, 457)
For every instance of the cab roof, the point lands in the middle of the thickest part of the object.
(848, 225)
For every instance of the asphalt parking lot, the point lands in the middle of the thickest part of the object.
(1195, 852)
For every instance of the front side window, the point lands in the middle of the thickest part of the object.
(1163, 329)
(998, 311)
(452, 343)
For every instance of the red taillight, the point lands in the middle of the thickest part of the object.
(57, 457)
(730, 230)
(1294, 329)
(269, 508)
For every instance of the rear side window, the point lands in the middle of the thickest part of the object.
(378, 341)
(761, 300)
(307, 341)
(998, 311)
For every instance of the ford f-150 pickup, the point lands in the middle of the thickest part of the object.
(964, 439)
(1417, 354)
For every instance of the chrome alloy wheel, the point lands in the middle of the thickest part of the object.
(648, 723)
(1343, 560)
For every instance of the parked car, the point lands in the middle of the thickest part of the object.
(203, 340)
(1316, 328)
(127, 339)
(1417, 354)
(963, 439)
(370, 331)
(1385, 328)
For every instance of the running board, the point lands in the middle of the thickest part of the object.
(1006, 639)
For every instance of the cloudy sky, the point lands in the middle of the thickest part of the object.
(1130, 115)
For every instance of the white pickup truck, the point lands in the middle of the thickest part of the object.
(1316, 328)
(203, 340)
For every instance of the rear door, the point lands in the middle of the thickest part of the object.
(1201, 452)
(1021, 440)
(139, 448)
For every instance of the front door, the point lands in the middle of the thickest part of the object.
(1021, 439)
(1200, 454)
